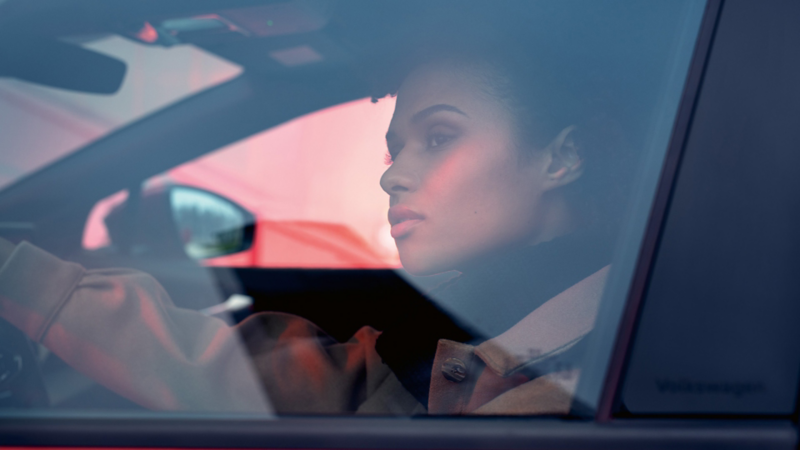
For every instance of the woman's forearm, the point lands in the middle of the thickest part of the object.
(120, 328)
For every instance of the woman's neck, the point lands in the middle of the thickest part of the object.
(557, 219)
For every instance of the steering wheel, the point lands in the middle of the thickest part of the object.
(21, 382)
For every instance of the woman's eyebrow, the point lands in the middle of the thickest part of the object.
(421, 115)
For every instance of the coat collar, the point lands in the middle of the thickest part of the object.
(549, 330)
(486, 302)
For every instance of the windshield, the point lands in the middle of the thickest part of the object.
(43, 124)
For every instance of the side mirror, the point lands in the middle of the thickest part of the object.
(210, 225)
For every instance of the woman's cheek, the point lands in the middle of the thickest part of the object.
(443, 175)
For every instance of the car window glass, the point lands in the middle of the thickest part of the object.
(425, 218)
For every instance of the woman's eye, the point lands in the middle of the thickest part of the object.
(436, 140)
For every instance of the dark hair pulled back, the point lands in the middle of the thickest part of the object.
(546, 92)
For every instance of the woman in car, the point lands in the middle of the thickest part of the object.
(499, 170)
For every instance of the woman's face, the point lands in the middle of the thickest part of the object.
(458, 186)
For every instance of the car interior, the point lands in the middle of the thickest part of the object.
(695, 343)
(349, 54)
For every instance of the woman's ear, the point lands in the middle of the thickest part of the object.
(563, 162)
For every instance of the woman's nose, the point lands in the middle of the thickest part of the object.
(397, 179)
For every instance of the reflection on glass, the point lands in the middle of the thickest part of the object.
(522, 158)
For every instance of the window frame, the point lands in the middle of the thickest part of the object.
(623, 343)
(760, 68)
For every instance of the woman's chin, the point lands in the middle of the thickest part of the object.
(420, 265)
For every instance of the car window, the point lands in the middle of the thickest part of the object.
(440, 215)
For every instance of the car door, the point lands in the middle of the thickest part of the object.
(694, 343)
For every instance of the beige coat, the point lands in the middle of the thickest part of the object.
(120, 328)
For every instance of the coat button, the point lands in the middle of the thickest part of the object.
(454, 370)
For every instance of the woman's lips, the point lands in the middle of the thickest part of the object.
(403, 228)
(403, 220)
